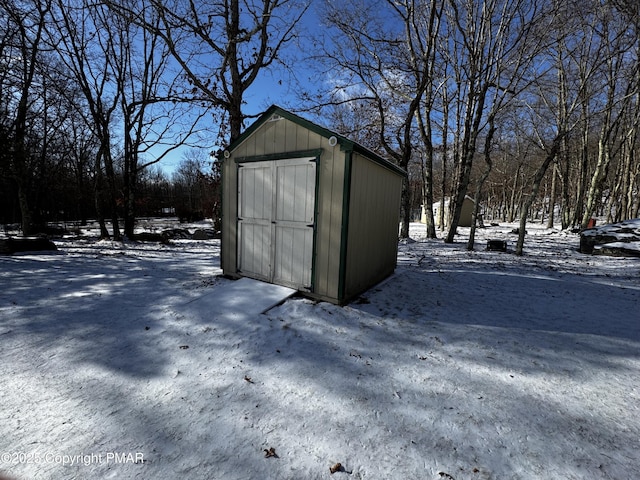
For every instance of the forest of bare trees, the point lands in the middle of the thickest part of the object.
(531, 107)
(93, 94)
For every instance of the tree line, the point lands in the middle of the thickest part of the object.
(65, 202)
(93, 94)
(531, 107)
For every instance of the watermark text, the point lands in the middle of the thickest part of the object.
(85, 459)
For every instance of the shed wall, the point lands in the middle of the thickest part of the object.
(373, 225)
(466, 215)
(331, 185)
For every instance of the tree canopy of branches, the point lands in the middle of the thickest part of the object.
(385, 57)
(221, 46)
(473, 80)
(21, 82)
(140, 76)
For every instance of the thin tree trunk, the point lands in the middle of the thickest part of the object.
(445, 156)
(113, 194)
(485, 175)
(583, 168)
(129, 201)
(598, 176)
(552, 197)
(632, 186)
(427, 196)
(564, 175)
(513, 201)
(25, 211)
(406, 209)
(537, 181)
(99, 199)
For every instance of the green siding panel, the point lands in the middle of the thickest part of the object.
(373, 225)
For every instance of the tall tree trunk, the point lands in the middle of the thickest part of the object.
(29, 47)
(456, 202)
(113, 195)
(483, 179)
(427, 192)
(632, 185)
(462, 178)
(99, 198)
(234, 106)
(25, 211)
(129, 171)
(445, 157)
(624, 179)
(564, 175)
(583, 168)
(599, 175)
(514, 198)
(552, 197)
(405, 201)
(537, 181)
(475, 111)
(130, 181)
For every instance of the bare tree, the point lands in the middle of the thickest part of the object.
(553, 105)
(422, 32)
(221, 46)
(631, 11)
(22, 47)
(89, 47)
(157, 115)
(385, 54)
(620, 89)
(194, 186)
(490, 49)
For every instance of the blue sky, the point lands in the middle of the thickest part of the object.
(273, 86)
(263, 93)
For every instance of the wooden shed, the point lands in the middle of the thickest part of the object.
(307, 208)
(466, 215)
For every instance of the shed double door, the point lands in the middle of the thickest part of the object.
(276, 214)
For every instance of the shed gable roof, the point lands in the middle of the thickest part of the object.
(345, 143)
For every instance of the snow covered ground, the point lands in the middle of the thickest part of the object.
(464, 365)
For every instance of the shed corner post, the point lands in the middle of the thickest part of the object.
(344, 235)
(228, 201)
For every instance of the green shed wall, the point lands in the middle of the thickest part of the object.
(374, 208)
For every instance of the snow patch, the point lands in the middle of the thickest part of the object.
(464, 365)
